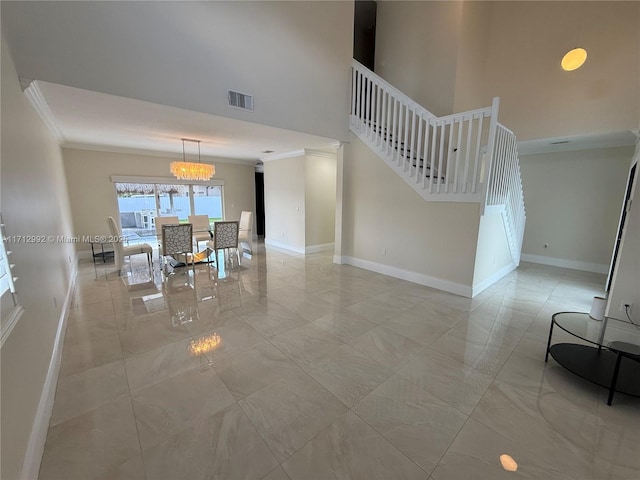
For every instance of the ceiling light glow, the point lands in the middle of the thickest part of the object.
(574, 59)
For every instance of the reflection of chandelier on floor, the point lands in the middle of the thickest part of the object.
(204, 344)
(190, 170)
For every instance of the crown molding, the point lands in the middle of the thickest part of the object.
(625, 138)
(280, 156)
(153, 153)
(320, 153)
(299, 153)
(38, 102)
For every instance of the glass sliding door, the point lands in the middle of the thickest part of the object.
(174, 200)
(137, 206)
(140, 203)
(207, 200)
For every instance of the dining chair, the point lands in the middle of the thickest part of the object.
(177, 241)
(245, 233)
(201, 229)
(121, 251)
(159, 222)
(225, 236)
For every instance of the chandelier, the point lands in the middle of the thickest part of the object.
(190, 170)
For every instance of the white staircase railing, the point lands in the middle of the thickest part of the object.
(464, 157)
(505, 187)
(440, 157)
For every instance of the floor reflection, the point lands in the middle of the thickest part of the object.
(292, 367)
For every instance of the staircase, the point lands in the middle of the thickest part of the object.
(464, 157)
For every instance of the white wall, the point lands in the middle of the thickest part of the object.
(493, 257)
(538, 98)
(284, 202)
(573, 202)
(293, 57)
(626, 281)
(93, 194)
(300, 201)
(453, 56)
(388, 226)
(470, 91)
(417, 48)
(320, 199)
(34, 202)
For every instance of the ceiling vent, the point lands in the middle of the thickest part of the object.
(240, 100)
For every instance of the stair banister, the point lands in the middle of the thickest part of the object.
(495, 105)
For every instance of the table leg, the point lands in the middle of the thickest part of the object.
(546, 357)
(614, 379)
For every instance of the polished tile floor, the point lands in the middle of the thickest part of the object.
(293, 368)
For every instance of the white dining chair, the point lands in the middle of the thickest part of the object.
(201, 229)
(159, 222)
(245, 232)
(121, 251)
(225, 236)
(177, 242)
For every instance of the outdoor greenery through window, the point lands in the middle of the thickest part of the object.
(140, 203)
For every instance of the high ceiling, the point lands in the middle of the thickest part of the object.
(163, 70)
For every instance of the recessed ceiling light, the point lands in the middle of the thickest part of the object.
(574, 59)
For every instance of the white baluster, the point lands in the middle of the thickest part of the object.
(443, 127)
(467, 149)
(457, 157)
(394, 131)
(417, 148)
(432, 163)
(354, 91)
(476, 156)
(412, 141)
(406, 134)
(425, 152)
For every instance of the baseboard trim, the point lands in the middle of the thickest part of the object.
(415, 277)
(338, 259)
(38, 437)
(564, 263)
(284, 246)
(321, 247)
(487, 282)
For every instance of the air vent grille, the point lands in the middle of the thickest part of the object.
(240, 100)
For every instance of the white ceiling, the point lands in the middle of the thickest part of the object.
(97, 121)
(86, 119)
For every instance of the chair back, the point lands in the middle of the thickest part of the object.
(171, 220)
(117, 246)
(246, 220)
(225, 235)
(177, 239)
(200, 223)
